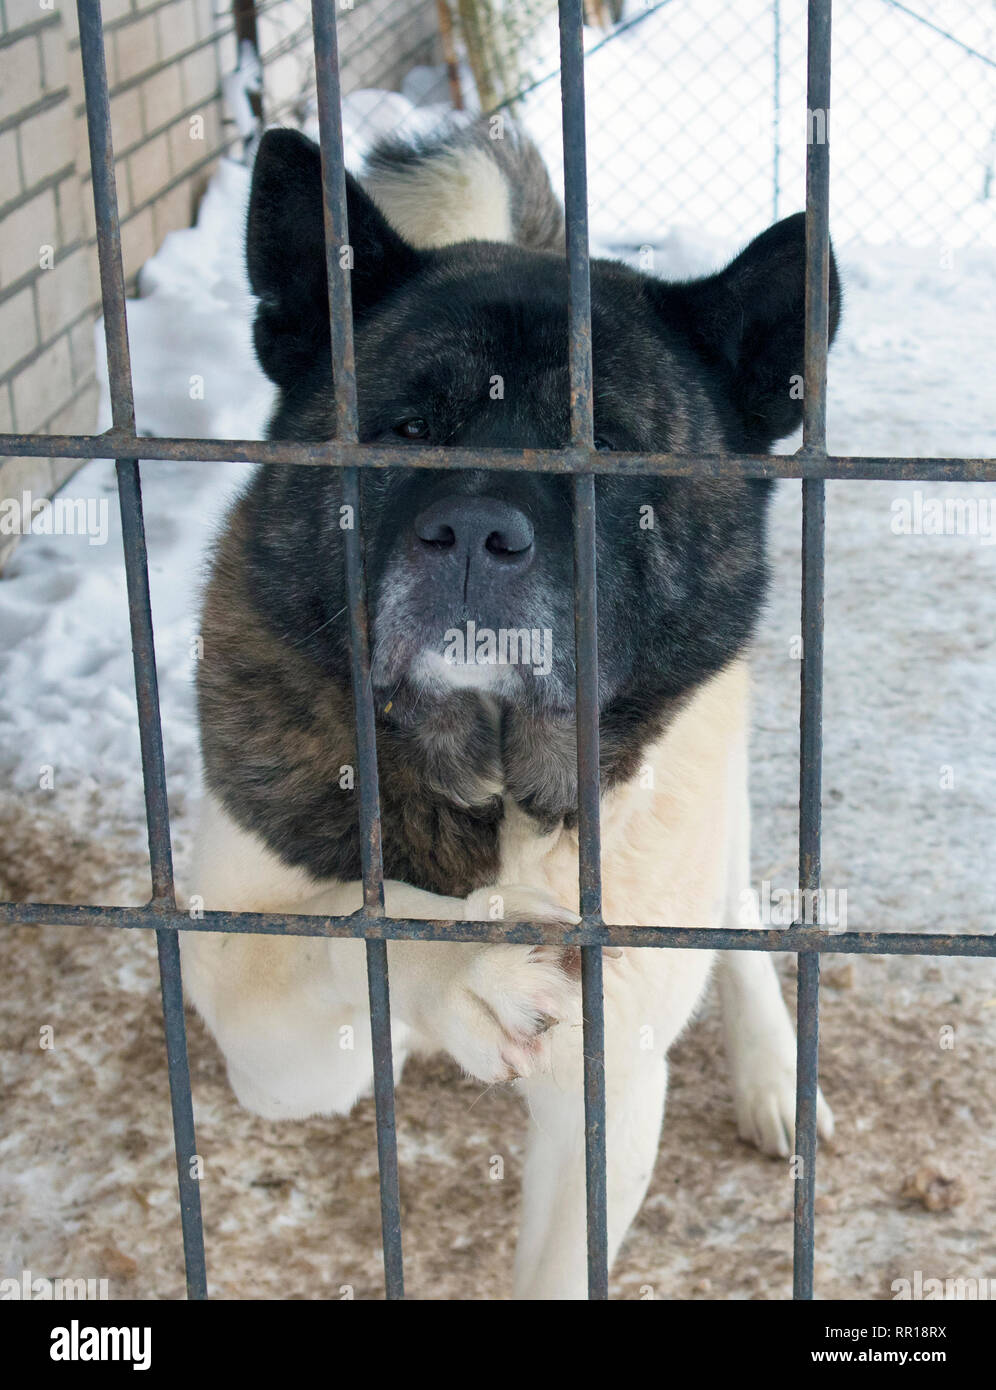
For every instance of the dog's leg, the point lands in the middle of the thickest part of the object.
(291, 1013)
(759, 1035)
(551, 1258)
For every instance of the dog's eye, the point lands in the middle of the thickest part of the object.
(413, 429)
(602, 445)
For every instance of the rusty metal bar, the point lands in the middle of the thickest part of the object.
(338, 262)
(813, 585)
(800, 938)
(112, 290)
(105, 202)
(586, 632)
(339, 454)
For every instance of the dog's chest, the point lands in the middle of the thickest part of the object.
(665, 833)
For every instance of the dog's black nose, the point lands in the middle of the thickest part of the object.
(478, 529)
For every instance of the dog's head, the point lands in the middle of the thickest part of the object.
(470, 573)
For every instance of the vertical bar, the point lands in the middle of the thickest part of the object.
(334, 204)
(576, 218)
(105, 202)
(813, 580)
(161, 860)
(586, 634)
(112, 290)
(814, 421)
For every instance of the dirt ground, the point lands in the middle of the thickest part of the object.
(87, 1184)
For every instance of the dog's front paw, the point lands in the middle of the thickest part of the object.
(764, 1098)
(499, 1009)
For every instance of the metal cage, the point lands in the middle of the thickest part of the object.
(811, 463)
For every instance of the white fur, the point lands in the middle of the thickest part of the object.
(458, 195)
(291, 1014)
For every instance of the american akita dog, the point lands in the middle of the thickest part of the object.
(459, 283)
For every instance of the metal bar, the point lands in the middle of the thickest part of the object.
(813, 582)
(586, 634)
(576, 220)
(586, 643)
(112, 289)
(798, 938)
(182, 1110)
(105, 202)
(161, 864)
(146, 680)
(570, 459)
(814, 407)
(334, 203)
(336, 216)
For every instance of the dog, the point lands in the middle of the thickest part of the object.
(459, 291)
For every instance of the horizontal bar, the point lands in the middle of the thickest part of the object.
(338, 454)
(796, 938)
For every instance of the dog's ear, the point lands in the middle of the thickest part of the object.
(285, 249)
(747, 321)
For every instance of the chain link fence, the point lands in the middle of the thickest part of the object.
(693, 105)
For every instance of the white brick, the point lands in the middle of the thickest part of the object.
(11, 174)
(173, 210)
(41, 389)
(20, 76)
(81, 349)
(70, 193)
(22, 12)
(149, 170)
(138, 241)
(186, 151)
(55, 58)
(162, 98)
(210, 17)
(201, 79)
(78, 416)
(136, 47)
(127, 128)
(18, 335)
(177, 27)
(23, 232)
(47, 143)
(110, 10)
(63, 292)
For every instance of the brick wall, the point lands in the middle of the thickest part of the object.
(164, 61)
